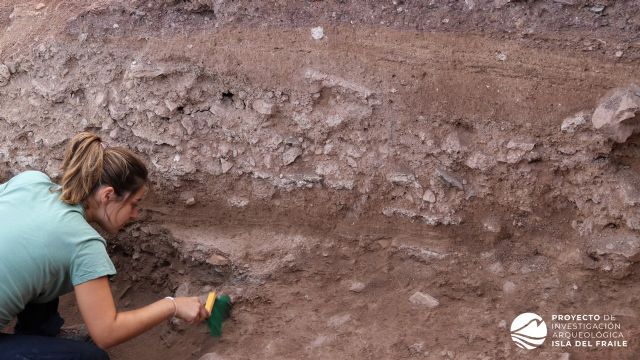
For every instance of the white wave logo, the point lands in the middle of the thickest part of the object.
(528, 331)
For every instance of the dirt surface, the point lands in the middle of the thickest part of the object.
(402, 183)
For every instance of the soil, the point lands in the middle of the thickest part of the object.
(415, 147)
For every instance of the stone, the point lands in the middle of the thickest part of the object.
(619, 54)
(218, 260)
(238, 202)
(262, 107)
(317, 33)
(508, 287)
(183, 289)
(211, 356)
(416, 348)
(290, 155)
(429, 196)
(573, 123)
(357, 286)
(419, 298)
(337, 321)
(492, 224)
(40, 6)
(516, 150)
(226, 165)
(452, 144)
(5, 75)
(402, 179)
(521, 145)
(470, 4)
(617, 113)
(501, 57)
(480, 161)
(496, 268)
(321, 340)
(334, 120)
(190, 201)
(449, 178)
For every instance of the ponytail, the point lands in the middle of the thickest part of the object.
(83, 162)
(88, 165)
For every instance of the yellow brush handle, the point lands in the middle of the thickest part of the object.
(210, 300)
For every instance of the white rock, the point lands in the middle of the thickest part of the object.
(183, 290)
(338, 320)
(40, 6)
(401, 179)
(420, 298)
(262, 107)
(190, 201)
(496, 268)
(218, 260)
(226, 165)
(617, 113)
(320, 341)
(508, 287)
(238, 202)
(417, 348)
(357, 286)
(290, 155)
(521, 145)
(317, 33)
(5, 75)
(619, 54)
(429, 196)
(501, 56)
(572, 123)
(334, 120)
(480, 161)
(211, 356)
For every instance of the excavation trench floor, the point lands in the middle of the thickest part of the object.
(345, 294)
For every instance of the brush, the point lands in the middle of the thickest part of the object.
(219, 308)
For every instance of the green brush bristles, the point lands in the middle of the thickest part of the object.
(219, 313)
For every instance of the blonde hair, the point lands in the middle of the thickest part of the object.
(88, 165)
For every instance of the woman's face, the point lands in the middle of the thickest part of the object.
(118, 212)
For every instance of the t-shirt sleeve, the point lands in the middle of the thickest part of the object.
(90, 262)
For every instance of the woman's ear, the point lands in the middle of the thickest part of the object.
(106, 194)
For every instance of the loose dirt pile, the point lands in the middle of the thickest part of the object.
(368, 179)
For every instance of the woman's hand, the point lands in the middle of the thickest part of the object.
(190, 309)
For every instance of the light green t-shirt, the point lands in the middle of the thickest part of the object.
(46, 246)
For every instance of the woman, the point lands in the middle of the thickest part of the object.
(48, 248)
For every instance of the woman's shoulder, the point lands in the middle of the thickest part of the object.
(30, 176)
(26, 178)
(33, 175)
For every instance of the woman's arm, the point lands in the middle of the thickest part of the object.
(107, 327)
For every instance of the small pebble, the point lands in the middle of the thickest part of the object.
(357, 286)
(317, 33)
